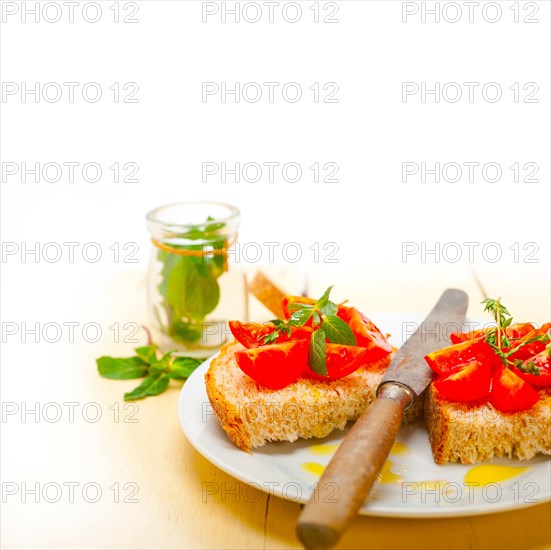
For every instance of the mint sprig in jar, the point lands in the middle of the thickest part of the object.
(193, 291)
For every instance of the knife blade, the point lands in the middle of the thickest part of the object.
(353, 469)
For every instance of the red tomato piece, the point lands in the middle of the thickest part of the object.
(458, 337)
(367, 334)
(543, 361)
(446, 360)
(513, 332)
(529, 350)
(274, 366)
(510, 393)
(470, 382)
(341, 361)
(251, 335)
(301, 333)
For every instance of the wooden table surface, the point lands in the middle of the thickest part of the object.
(139, 453)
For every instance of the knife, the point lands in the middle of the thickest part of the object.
(353, 469)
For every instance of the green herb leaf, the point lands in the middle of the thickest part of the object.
(193, 290)
(529, 367)
(337, 331)
(122, 368)
(189, 284)
(272, 337)
(152, 385)
(182, 367)
(295, 306)
(541, 338)
(497, 338)
(163, 364)
(329, 308)
(147, 353)
(317, 353)
(320, 302)
(300, 317)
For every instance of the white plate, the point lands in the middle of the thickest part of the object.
(415, 487)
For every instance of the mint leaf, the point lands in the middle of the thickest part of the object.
(147, 353)
(186, 332)
(294, 306)
(300, 317)
(189, 284)
(321, 302)
(122, 368)
(329, 308)
(317, 353)
(192, 290)
(152, 385)
(163, 364)
(337, 331)
(182, 367)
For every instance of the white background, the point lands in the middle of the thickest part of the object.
(370, 213)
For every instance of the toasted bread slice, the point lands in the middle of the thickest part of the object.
(473, 432)
(253, 415)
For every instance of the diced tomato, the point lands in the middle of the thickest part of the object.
(470, 382)
(511, 393)
(516, 331)
(543, 362)
(341, 361)
(367, 334)
(274, 366)
(458, 337)
(529, 350)
(251, 335)
(301, 333)
(446, 360)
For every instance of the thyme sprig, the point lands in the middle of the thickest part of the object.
(498, 340)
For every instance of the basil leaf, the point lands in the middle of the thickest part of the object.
(147, 353)
(337, 331)
(182, 367)
(317, 353)
(122, 368)
(152, 385)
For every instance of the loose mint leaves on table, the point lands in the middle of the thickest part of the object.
(189, 285)
(156, 371)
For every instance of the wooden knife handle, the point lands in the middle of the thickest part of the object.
(351, 473)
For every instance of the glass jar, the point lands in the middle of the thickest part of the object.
(193, 291)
